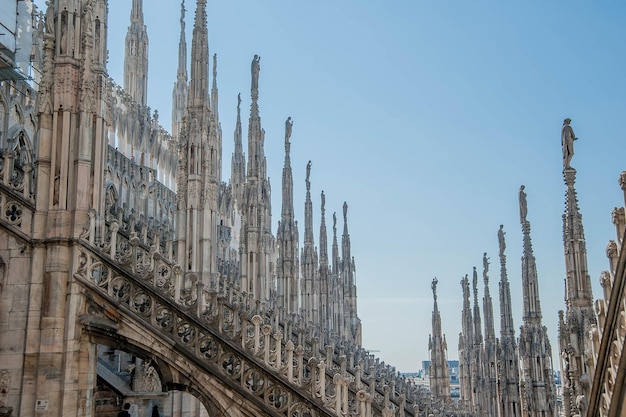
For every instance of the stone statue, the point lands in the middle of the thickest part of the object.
(255, 68)
(88, 16)
(50, 18)
(501, 241)
(239, 103)
(523, 206)
(308, 175)
(485, 263)
(434, 287)
(567, 141)
(288, 127)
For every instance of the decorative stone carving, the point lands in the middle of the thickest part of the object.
(567, 142)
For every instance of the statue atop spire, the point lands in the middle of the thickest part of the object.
(308, 176)
(501, 242)
(523, 205)
(288, 127)
(255, 68)
(433, 285)
(485, 265)
(567, 142)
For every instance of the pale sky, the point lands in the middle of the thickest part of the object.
(426, 117)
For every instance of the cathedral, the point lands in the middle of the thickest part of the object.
(132, 273)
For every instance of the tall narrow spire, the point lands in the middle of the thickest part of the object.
(238, 160)
(214, 91)
(199, 168)
(490, 334)
(576, 324)
(507, 328)
(136, 56)
(509, 403)
(256, 135)
(324, 270)
(478, 332)
(352, 321)
(439, 372)
(477, 375)
(536, 381)
(287, 237)
(199, 82)
(335, 283)
(179, 93)
(466, 344)
(310, 283)
(489, 351)
(530, 286)
(182, 47)
(257, 272)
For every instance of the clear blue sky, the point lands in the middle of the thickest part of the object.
(426, 117)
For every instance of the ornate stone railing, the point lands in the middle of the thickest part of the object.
(16, 197)
(276, 357)
(607, 339)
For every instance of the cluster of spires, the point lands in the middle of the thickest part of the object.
(320, 288)
(484, 362)
(510, 377)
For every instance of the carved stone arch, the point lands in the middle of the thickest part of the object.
(16, 114)
(21, 145)
(172, 379)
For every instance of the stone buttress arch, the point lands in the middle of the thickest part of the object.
(114, 328)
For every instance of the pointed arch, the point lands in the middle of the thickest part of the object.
(111, 198)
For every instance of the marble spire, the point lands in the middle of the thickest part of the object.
(577, 321)
(538, 390)
(136, 56)
(509, 403)
(439, 372)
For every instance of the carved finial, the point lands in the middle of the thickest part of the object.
(323, 203)
(239, 103)
(335, 222)
(523, 206)
(501, 241)
(433, 285)
(567, 142)
(182, 14)
(345, 211)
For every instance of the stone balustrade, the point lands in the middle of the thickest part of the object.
(131, 261)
